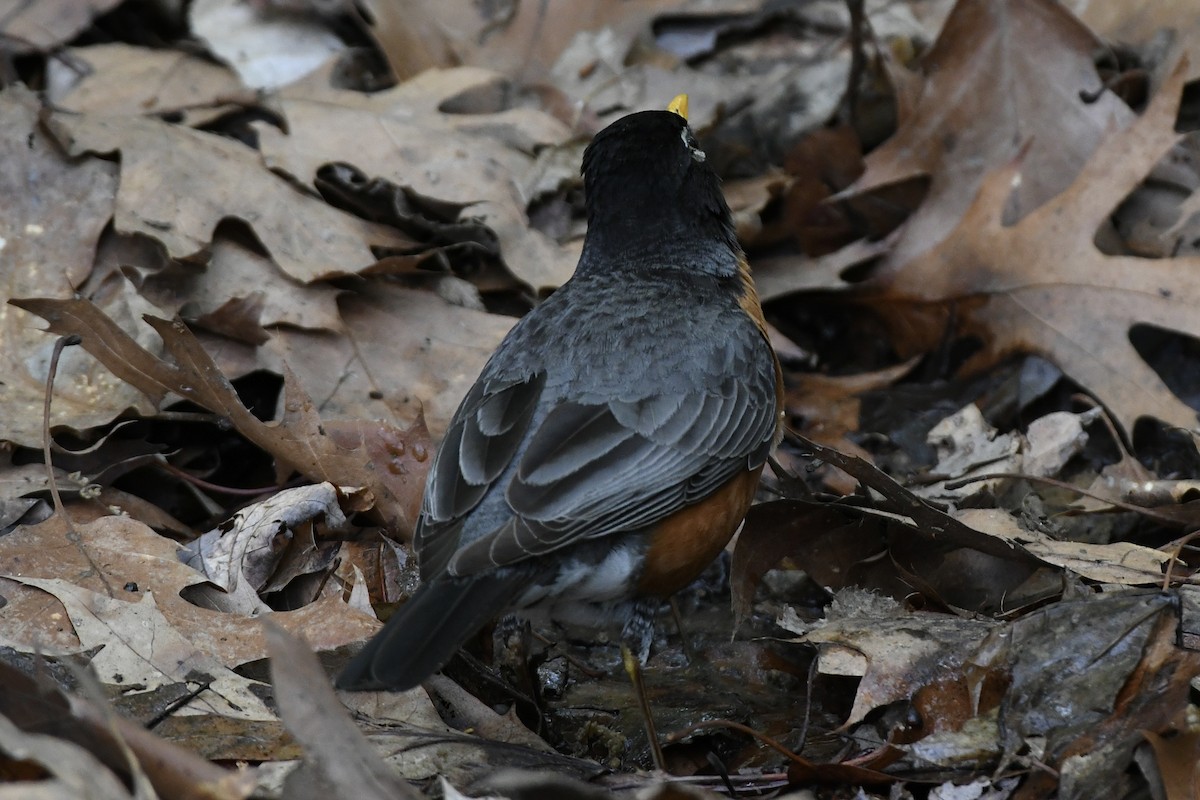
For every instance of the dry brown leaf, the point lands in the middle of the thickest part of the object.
(827, 408)
(299, 441)
(138, 756)
(236, 272)
(824, 162)
(778, 276)
(1122, 563)
(86, 394)
(125, 558)
(378, 570)
(177, 184)
(405, 353)
(790, 96)
(405, 135)
(48, 236)
(840, 545)
(1002, 72)
(18, 481)
(125, 80)
(30, 27)
(33, 617)
(525, 39)
(408, 35)
(833, 546)
(337, 753)
(136, 646)
(242, 553)
(481, 719)
(894, 651)
(1041, 285)
(1178, 760)
(904, 506)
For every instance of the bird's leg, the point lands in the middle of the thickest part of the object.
(513, 657)
(636, 638)
(683, 637)
(510, 640)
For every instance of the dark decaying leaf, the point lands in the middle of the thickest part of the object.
(1092, 676)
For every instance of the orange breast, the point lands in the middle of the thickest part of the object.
(682, 545)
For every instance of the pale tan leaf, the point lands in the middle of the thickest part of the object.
(894, 650)
(403, 135)
(48, 235)
(333, 744)
(1123, 563)
(137, 646)
(44, 25)
(177, 184)
(124, 558)
(71, 771)
(243, 550)
(122, 79)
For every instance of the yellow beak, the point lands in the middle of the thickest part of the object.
(679, 105)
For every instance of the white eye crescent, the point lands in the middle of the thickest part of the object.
(690, 143)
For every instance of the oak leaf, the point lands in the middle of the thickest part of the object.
(1042, 286)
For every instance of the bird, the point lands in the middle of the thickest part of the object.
(614, 440)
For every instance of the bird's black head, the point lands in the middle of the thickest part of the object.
(652, 197)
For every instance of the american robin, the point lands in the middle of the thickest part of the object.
(613, 442)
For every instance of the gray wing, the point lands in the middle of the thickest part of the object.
(487, 431)
(589, 470)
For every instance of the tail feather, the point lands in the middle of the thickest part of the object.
(427, 630)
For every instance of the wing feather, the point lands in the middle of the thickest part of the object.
(591, 470)
(484, 436)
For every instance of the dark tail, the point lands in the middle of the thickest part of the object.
(427, 630)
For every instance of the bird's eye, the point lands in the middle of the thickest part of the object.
(689, 141)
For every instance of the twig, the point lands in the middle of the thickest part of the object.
(72, 534)
(808, 692)
(1121, 504)
(200, 483)
(63, 341)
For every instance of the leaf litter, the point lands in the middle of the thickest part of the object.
(284, 273)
